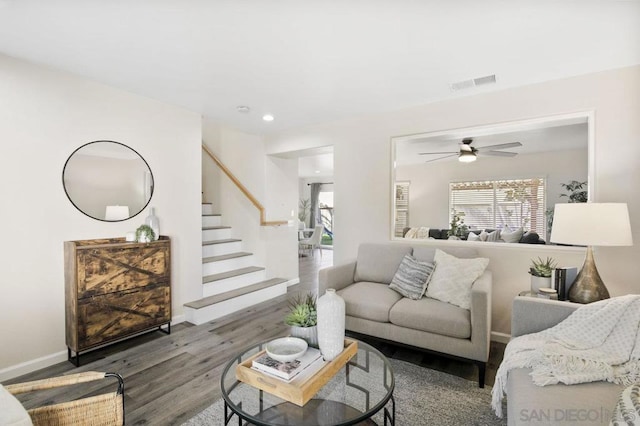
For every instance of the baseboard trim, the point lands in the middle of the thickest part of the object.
(178, 319)
(27, 367)
(500, 337)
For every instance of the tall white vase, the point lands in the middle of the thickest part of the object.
(154, 223)
(330, 324)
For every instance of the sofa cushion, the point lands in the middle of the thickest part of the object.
(412, 277)
(432, 316)
(453, 277)
(378, 263)
(582, 404)
(12, 413)
(368, 300)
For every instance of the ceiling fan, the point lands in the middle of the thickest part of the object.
(468, 153)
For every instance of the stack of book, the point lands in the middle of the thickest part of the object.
(307, 365)
(562, 279)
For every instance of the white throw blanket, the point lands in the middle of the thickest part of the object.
(597, 342)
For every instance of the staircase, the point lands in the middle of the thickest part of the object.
(230, 281)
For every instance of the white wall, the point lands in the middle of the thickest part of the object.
(429, 188)
(362, 153)
(44, 116)
(271, 180)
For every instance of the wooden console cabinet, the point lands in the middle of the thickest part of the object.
(115, 289)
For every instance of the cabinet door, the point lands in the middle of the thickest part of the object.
(108, 270)
(111, 316)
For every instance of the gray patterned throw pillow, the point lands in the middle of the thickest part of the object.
(412, 277)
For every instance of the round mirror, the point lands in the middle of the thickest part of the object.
(108, 181)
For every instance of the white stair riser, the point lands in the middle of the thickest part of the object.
(211, 221)
(219, 249)
(207, 208)
(233, 283)
(211, 268)
(216, 234)
(212, 312)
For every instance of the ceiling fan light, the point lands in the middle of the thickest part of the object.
(467, 157)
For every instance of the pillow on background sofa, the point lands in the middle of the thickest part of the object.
(453, 277)
(412, 277)
(509, 236)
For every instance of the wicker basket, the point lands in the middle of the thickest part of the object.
(101, 410)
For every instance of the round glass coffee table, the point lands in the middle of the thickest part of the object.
(358, 394)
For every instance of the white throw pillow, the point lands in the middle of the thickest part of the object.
(452, 279)
(509, 236)
(473, 237)
(12, 413)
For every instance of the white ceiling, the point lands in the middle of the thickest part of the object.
(317, 61)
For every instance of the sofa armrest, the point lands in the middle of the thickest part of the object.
(532, 314)
(338, 277)
(481, 315)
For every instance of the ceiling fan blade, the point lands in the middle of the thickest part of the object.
(498, 153)
(500, 146)
(437, 153)
(455, 154)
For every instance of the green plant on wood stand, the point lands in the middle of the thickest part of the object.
(144, 234)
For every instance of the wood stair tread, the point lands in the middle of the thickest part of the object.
(223, 241)
(208, 228)
(207, 301)
(231, 274)
(225, 257)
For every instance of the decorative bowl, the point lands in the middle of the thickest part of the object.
(286, 349)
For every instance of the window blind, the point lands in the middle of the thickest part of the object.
(495, 204)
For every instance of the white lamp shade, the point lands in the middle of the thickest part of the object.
(592, 224)
(117, 213)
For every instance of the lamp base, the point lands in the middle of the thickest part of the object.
(588, 286)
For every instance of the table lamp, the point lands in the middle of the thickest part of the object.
(591, 224)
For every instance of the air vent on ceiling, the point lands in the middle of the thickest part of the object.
(467, 84)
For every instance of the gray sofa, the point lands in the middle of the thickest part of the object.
(375, 310)
(527, 404)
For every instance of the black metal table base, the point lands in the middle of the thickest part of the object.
(389, 415)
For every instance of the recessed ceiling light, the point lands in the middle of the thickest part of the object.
(317, 171)
(267, 117)
(243, 108)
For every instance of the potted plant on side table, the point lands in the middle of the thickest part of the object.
(541, 271)
(303, 318)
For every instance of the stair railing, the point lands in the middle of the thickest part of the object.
(244, 190)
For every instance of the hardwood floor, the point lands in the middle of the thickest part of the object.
(170, 378)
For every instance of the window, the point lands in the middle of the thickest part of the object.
(496, 204)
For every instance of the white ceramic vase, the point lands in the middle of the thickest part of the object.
(539, 282)
(154, 223)
(310, 334)
(331, 324)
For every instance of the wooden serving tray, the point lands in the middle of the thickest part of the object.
(297, 392)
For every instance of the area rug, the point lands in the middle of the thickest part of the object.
(423, 397)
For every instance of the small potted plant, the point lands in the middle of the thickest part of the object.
(144, 234)
(541, 271)
(303, 318)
